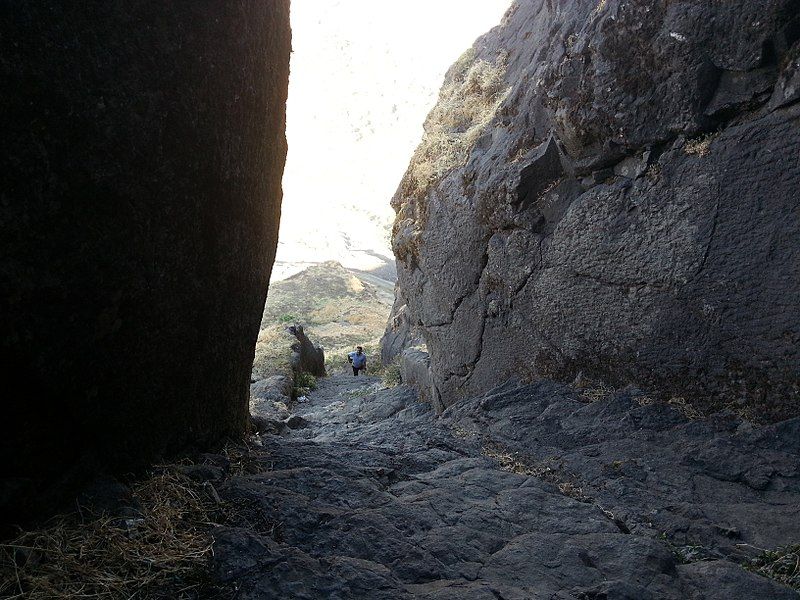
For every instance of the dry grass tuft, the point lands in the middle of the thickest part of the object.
(679, 403)
(596, 394)
(591, 390)
(242, 457)
(514, 462)
(654, 172)
(575, 492)
(162, 554)
(700, 146)
(781, 565)
(686, 409)
(461, 433)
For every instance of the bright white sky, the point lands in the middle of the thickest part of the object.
(364, 74)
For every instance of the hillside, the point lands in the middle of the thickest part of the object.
(338, 308)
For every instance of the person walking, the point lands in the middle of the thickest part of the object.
(358, 360)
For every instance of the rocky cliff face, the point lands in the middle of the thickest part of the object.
(140, 175)
(612, 188)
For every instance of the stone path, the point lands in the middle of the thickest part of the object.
(528, 493)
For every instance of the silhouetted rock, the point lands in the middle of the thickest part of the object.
(143, 147)
(611, 187)
(306, 357)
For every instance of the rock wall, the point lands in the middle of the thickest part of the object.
(611, 188)
(415, 372)
(143, 147)
(401, 330)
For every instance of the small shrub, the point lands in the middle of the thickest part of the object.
(288, 318)
(304, 383)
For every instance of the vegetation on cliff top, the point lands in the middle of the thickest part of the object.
(473, 91)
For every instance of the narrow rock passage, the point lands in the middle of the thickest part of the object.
(373, 496)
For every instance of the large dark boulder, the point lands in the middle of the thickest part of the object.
(140, 178)
(612, 188)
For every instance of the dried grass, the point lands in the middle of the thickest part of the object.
(243, 457)
(687, 410)
(467, 103)
(163, 554)
(596, 394)
(591, 390)
(514, 462)
(654, 172)
(700, 146)
(461, 433)
(781, 565)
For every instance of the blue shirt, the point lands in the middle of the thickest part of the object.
(359, 360)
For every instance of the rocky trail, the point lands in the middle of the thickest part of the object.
(530, 492)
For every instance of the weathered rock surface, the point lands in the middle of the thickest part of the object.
(401, 331)
(620, 198)
(529, 492)
(143, 146)
(415, 372)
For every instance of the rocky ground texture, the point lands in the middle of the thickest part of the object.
(535, 491)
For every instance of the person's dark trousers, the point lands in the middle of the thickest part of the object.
(355, 371)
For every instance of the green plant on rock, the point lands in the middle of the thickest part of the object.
(304, 383)
(288, 318)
